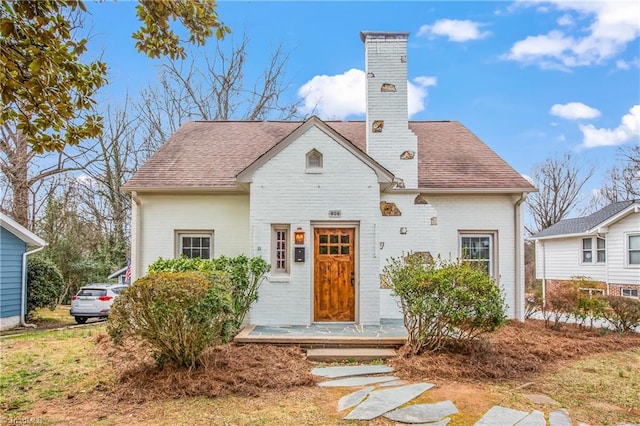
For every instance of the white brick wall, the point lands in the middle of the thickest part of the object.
(162, 215)
(452, 213)
(282, 192)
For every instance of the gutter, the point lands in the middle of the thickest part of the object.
(135, 263)
(23, 288)
(518, 250)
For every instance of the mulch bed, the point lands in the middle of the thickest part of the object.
(517, 351)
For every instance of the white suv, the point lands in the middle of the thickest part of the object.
(94, 301)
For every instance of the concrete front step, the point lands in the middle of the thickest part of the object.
(349, 354)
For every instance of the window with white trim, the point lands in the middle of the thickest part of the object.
(478, 249)
(194, 244)
(633, 249)
(594, 251)
(630, 292)
(280, 249)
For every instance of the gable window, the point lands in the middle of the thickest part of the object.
(195, 244)
(633, 249)
(280, 249)
(594, 249)
(478, 249)
(630, 292)
(314, 161)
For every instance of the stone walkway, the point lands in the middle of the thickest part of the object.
(384, 393)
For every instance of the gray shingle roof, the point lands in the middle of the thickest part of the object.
(204, 155)
(580, 225)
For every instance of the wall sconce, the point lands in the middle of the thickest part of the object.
(298, 236)
(403, 230)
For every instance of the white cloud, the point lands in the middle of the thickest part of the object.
(608, 27)
(626, 65)
(455, 30)
(565, 20)
(574, 111)
(336, 97)
(629, 129)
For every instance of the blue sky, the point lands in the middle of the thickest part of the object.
(531, 79)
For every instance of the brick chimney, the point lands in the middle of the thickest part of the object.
(389, 140)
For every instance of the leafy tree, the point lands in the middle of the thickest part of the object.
(44, 284)
(559, 181)
(47, 91)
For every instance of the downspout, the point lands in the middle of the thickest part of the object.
(135, 265)
(544, 274)
(23, 287)
(519, 281)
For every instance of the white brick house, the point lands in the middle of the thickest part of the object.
(356, 192)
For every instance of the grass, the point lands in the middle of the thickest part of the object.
(64, 377)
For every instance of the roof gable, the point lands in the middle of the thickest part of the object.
(21, 232)
(384, 176)
(589, 224)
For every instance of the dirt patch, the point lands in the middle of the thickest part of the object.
(517, 351)
(250, 370)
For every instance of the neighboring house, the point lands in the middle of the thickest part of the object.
(604, 246)
(327, 202)
(15, 240)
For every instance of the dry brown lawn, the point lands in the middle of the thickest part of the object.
(78, 378)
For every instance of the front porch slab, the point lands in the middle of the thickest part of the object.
(389, 334)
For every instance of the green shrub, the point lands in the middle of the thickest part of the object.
(444, 302)
(245, 275)
(177, 315)
(44, 284)
(622, 312)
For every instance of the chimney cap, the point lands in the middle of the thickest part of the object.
(364, 35)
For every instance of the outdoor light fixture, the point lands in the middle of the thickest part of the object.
(403, 230)
(298, 236)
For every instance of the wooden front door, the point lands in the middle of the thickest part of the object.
(334, 290)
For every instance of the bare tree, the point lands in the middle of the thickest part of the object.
(622, 181)
(559, 181)
(214, 87)
(26, 173)
(115, 157)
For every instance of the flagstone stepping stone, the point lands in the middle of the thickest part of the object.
(356, 381)
(443, 422)
(423, 413)
(501, 416)
(535, 418)
(538, 398)
(381, 401)
(394, 383)
(347, 371)
(559, 418)
(354, 398)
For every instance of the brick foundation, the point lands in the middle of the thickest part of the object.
(615, 289)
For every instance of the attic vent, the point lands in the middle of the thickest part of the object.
(377, 126)
(388, 87)
(314, 159)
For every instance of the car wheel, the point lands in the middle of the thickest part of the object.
(81, 320)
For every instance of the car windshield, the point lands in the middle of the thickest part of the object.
(92, 292)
